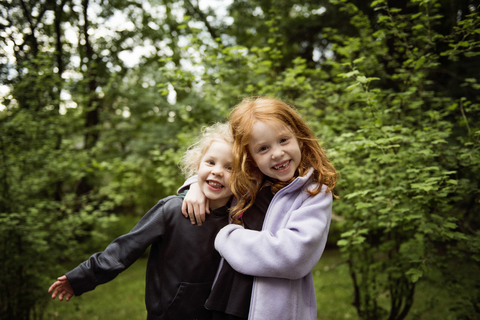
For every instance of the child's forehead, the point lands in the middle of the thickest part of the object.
(220, 141)
(218, 145)
(277, 125)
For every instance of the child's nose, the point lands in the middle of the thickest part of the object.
(217, 172)
(277, 153)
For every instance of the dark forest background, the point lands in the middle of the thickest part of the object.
(89, 133)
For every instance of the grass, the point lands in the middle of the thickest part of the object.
(123, 298)
(433, 299)
(333, 287)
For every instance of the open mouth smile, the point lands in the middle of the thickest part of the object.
(282, 166)
(215, 185)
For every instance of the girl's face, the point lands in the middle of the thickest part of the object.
(275, 150)
(214, 173)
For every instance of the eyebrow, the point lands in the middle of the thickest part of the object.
(214, 157)
(255, 146)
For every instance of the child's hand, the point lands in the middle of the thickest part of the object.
(195, 205)
(61, 287)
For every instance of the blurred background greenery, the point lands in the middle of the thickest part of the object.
(99, 99)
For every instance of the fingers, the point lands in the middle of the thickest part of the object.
(200, 212)
(200, 218)
(61, 288)
(207, 205)
(195, 204)
(53, 286)
(187, 211)
(57, 292)
(193, 211)
(184, 209)
(65, 294)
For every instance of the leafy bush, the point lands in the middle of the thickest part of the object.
(407, 151)
(410, 170)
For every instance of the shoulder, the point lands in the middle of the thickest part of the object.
(171, 201)
(163, 208)
(302, 196)
(311, 186)
(169, 204)
(301, 185)
(167, 212)
(308, 184)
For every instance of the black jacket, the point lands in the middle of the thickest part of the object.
(181, 266)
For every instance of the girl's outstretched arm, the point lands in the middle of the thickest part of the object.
(62, 288)
(290, 251)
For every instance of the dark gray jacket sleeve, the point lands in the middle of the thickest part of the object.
(120, 254)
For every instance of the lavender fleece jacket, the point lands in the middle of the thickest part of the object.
(283, 254)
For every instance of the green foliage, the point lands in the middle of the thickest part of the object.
(404, 180)
(42, 220)
(394, 97)
(77, 131)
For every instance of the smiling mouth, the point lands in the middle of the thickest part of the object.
(215, 184)
(282, 166)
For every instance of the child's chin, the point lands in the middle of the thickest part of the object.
(285, 178)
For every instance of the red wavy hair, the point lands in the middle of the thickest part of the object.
(246, 179)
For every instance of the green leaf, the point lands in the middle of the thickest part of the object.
(358, 60)
(352, 86)
(361, 205)
(377, 2)
(383, 18)
(414, 274)
(362, 79)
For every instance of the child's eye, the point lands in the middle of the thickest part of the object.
(229, 168)
(211, 162)
(264, 148)
(283, 140)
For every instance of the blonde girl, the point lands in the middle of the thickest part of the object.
(182, 263)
